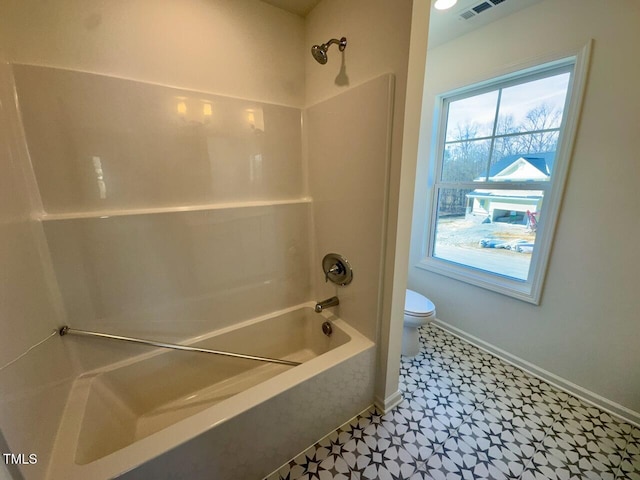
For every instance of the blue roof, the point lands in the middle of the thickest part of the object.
(542, 161)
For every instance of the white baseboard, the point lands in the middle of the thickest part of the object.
(388, 403)
(588, 396)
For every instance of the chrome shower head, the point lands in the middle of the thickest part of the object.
(319, 52)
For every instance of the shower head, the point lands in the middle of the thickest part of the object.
(319, 52)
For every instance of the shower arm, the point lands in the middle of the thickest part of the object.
(66, 330)
(342, 44)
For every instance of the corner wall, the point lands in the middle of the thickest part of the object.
(348, 168)
(34, 385)
(378, 42)
(587, 327)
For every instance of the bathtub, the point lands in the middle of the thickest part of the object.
(168, 414)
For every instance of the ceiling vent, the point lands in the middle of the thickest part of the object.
(467, 14)
(479, 8)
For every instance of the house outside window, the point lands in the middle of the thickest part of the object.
(501, 154)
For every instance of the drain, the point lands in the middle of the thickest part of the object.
(327, 329)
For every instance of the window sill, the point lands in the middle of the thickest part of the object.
(526, 291)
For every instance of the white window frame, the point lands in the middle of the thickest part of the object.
(529, 290)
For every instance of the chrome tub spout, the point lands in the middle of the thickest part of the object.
(329, 302)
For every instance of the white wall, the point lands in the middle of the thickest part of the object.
(242, 48)
(127, 257)
(587, 327)
(33, 387)
(378, 34)
(348, 176)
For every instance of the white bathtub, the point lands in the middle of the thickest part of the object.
(168, 414)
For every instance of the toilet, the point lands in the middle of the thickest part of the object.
(418, 311)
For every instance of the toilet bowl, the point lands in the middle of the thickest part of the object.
(418, 311)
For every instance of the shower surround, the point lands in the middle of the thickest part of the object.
(164, 209)
(171, 214)
(238, 49)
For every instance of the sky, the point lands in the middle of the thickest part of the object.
(516, 101)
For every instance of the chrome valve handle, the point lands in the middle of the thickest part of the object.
(337, 269)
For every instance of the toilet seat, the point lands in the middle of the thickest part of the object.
(416, 305)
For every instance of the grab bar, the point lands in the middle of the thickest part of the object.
(67, 330)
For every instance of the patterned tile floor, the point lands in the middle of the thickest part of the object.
(468, 415)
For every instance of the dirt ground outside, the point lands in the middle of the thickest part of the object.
(462, 232)
(458, 239)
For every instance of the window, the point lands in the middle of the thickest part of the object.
(501, 154)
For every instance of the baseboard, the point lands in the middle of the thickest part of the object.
(388, 403)
(588, 396)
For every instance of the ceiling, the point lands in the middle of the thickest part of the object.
(299, 7)
(444, 25)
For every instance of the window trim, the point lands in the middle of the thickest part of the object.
(530, 290)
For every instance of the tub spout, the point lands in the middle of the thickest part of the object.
(329, 302)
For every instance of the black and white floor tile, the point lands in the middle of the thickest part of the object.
(467, 415)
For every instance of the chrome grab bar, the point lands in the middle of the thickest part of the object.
(66, 330)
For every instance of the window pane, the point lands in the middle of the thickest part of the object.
(465, 161)
(523, 158)
(532, 106)
(472, 117)
(488, 229)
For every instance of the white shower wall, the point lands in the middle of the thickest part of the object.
(100, 144)
(170, 238)
(33, 387)
(349, 165)
(233, 48)
(168, 213)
